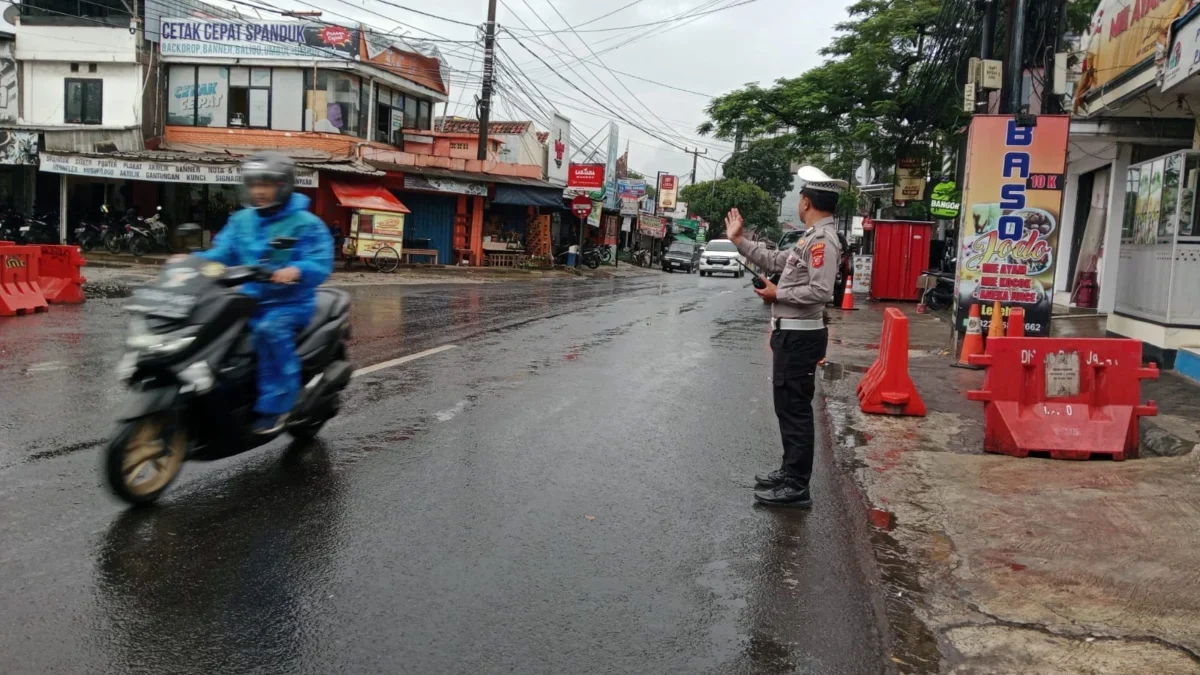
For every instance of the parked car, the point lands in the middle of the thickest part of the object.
(681, 255)
(721, 256)
(845, 265)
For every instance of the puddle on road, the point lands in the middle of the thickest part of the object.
(914, 646)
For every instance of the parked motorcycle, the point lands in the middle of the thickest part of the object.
(144, 235)
(90, 235)
(940, 296)
(114, 231)
(591, 258)
(190, 370)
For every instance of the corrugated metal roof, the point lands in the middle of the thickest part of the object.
(465, 175)
(458, 125)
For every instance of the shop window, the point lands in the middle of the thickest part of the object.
(366, 224)
(383, 114)
(423, 121)
(333, 103)
(84, 101)
(1132, 186)
(410, 112)
(250, 97)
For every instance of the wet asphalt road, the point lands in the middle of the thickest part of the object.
(566, 491)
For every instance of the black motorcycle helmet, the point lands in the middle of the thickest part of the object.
(268, 167)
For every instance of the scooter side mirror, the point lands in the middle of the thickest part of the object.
(284, 243)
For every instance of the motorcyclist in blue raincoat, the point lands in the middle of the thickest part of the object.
(274, 209)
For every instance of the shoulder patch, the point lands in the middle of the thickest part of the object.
(817, 255)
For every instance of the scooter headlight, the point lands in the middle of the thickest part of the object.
(198, 377)
(141, 339)
(127, 366)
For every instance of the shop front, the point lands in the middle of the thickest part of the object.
(190, 189)
(518, 223)
(1157, 300)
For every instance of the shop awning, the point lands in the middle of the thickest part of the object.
(524, 195)
(371, 197)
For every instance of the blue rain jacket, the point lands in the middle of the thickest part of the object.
(246, 239)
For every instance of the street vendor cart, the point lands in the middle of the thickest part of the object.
(376, 234)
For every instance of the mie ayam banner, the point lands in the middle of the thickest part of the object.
(1010, 219)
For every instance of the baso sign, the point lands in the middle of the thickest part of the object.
(161, 172)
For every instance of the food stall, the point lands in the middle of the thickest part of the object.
(376, 225)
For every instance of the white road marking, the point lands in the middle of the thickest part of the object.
(45, 367)
(402, 360)
(447, 415)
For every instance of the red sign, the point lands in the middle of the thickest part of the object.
(581, 206)
(868, 224)
(589, 176)
(335, 36)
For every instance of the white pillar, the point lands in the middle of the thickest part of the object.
(62, 207)
(1066, 236)
(1109, 265)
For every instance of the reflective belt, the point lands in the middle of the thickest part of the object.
(797, 324)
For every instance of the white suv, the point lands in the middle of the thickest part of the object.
(720, 255)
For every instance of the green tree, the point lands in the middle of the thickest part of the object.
(1079, 14)
(764, 163)
(712, 200)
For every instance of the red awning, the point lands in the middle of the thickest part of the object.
(372, 197)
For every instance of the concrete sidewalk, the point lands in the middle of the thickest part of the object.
(993, 564)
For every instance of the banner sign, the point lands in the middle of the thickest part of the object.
(1013, 200)
(586, 176)
(413, 181)
(632, 187)
(161, 172)
(629, 205)
(910, 180)
(652, 226)
(593, 218)
(611, 198)
(18, 147)
(276, 39)
(1124, 34)
(1183, 51)
(557, 157)
(667, 185)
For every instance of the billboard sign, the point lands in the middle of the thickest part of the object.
(633, 187)
(910, 180)
(558, 157)
(668, 185)
(611, 199)
(1012, 204)
(629, 205)
(586, 176)
(652, 226)
(1124, 34)
(1183, 51)
(274, 39)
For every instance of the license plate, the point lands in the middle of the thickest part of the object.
(157, 302)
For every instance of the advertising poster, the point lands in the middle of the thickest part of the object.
(593, 218)
(629, 205)
(611, 199)
(558, 160)
(652, 226)
(667, 186)
(862, 273)
(631, 187)
(1124, 33)
(1012, 204)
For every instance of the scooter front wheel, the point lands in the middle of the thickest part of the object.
(141, 460)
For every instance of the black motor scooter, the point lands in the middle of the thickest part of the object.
(190, 369)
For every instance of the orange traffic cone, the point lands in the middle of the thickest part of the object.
(972, 341)
(996, 327)
(1016, 322)
(848, 296)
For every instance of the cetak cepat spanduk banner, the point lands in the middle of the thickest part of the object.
(1010, 218)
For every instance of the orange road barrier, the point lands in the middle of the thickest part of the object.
(19, 290)
(887, 388)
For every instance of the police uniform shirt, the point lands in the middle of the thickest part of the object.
(808, 271)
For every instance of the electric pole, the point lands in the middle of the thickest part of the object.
(695, 157)
(485, 99)
(1016, 59)
(986, 46)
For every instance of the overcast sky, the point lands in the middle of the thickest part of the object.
(756, 42)
(713, 54)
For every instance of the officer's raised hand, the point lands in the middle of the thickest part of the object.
(733, 226)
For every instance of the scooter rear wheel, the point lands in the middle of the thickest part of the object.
(308, 429)
(141, 461)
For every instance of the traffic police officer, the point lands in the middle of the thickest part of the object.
(798, 336)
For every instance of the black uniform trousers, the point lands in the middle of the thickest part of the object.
(793, 376)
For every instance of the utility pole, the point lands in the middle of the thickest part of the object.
(485, 100)
(986, 46)
(1011, 96)
(695, 157)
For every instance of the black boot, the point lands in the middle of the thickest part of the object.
(771, 480)
(786, 494)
